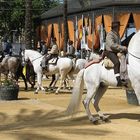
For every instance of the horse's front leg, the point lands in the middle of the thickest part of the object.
(39, 83)
(61, 83)
(99, 94)
(25, 81)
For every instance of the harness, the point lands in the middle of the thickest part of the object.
(36, 59)
(133, 55)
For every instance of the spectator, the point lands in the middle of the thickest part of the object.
(44, 49)
(7, 48)
(70, 50)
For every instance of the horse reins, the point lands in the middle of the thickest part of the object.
(36, 58)
(133, 55)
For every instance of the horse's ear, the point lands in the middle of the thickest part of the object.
(23, 51)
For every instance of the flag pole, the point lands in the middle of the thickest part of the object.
(93, 29)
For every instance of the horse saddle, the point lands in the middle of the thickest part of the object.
(53, 61)
(108, 63)
(123, 65)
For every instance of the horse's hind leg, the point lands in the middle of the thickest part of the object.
(91, 90)
(25, 82)
(53, 79)
(62, 77)
(99, 94)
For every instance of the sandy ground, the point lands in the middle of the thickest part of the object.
(42, 117)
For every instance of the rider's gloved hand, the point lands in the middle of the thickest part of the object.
(123, 48)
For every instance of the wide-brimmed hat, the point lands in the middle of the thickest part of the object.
(115, 24)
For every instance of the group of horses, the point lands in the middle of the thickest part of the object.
(64, 68)
(95, 77)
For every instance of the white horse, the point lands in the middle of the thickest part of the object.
(77, 66)
(63, 67)
(97, 79)
(9, 67)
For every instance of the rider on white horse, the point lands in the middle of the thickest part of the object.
(51, 54)
(113, 46)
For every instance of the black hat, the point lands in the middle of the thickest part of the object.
(115, 24)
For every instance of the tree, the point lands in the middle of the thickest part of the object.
(28, 24)
(12, 13)
(65, 26)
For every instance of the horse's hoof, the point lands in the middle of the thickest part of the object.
(26, 89)
(32, 87)
(97, 122)
(105, 118)
(56, 92)
(35, 92)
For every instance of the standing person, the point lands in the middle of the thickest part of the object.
(54, 52)
(113, 46)
(39, 49)
(70, 50)
(7, 48)
(1, 50)
(44, 49)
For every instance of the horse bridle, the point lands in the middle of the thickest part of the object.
(32, 60)
(133, 55)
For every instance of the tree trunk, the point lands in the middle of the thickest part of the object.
(28, 24)
(65, 26)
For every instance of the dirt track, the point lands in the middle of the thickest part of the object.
(42, 117)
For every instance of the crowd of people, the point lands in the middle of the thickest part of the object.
(112, 47)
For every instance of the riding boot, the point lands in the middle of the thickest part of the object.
(121, 82)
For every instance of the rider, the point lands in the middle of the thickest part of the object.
(51, 54)
(44, 49)
(113, 46)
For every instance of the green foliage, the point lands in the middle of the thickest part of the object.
(12, 12)
(9, 83)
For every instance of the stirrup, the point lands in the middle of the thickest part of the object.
(122, 83)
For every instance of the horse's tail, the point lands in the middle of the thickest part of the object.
(76, 94)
